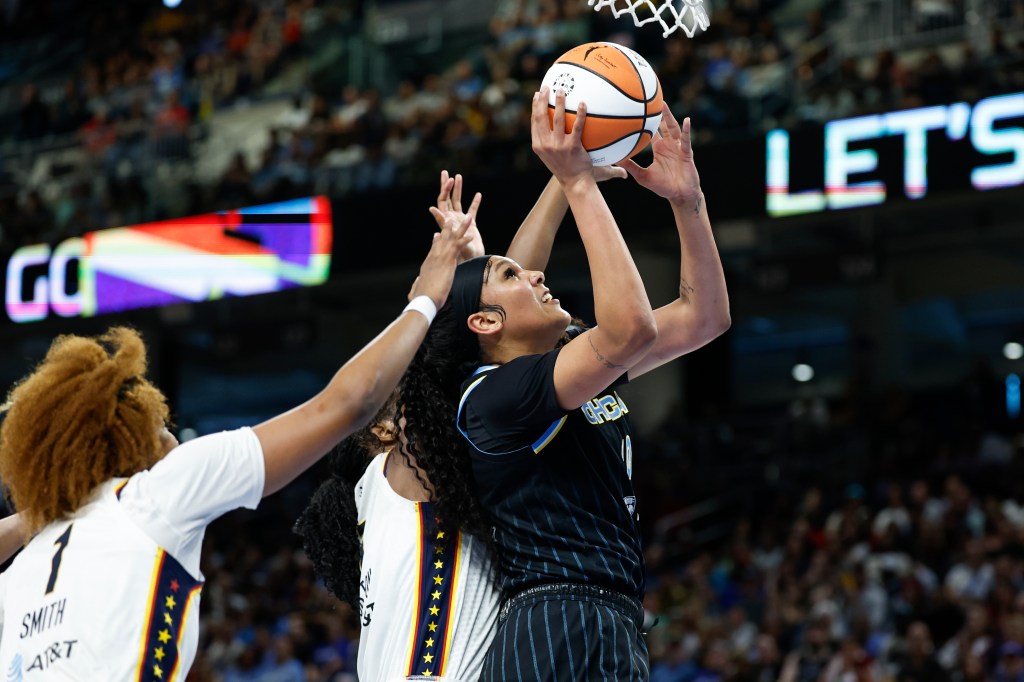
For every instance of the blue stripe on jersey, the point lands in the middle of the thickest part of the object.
(435, 587)
(537, 446)
(549, 435)
(172, 589)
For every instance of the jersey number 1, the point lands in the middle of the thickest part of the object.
(61, 543)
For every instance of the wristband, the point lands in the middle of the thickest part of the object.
(425, 306)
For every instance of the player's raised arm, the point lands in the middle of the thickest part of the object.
(625, 323)
(293, 441)
(701, 313)
(531, 246)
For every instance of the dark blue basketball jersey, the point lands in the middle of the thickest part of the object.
(556, 484)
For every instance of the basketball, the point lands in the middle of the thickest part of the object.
(622, 94)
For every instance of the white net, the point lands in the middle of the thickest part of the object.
(689, 16)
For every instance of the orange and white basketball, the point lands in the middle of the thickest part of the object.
(622, 94)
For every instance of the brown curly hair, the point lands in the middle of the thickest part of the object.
(84, 416)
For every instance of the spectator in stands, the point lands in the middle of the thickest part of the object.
(971, 579)
(33, 116)
(170, 127)
(916, 661)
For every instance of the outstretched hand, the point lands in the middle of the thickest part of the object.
(449, 200)
(672, 174)
(438, 268)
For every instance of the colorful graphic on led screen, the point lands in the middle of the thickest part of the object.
(242, 252)
(870, 160)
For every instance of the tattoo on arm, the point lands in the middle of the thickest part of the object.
(696, 207)
(685, 290)
(597, 354)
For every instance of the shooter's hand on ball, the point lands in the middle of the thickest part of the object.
(561, 152)
(672, 174)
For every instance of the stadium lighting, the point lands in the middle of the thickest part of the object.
(1013, 351)
(802, 372)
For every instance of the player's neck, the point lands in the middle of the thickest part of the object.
(401, 476)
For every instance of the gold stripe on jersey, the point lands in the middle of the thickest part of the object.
(454, 573)
(549, 435)
(184, 619)
(414, 630)
(148, 619)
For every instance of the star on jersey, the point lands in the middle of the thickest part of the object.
(435, 583)
(165, 620)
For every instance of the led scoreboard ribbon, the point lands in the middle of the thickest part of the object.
(993, 128)
(242, 252)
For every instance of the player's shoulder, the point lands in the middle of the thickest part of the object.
(369, 483)
(512, 371)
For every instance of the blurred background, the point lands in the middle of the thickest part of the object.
(831, 491)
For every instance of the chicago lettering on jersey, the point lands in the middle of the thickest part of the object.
(607, 408)
(42, 619)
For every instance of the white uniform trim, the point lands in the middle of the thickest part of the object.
(427, 604)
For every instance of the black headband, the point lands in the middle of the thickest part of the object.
(466, 288)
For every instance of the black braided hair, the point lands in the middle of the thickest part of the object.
(430, 391)
(328, 524)
(425, 405)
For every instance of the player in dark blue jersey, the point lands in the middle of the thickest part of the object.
(549, 436)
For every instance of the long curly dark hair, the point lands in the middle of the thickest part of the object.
(426, 406)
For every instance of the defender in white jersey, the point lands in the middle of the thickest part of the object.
(111, 591)
(109, 586)
(428, 604)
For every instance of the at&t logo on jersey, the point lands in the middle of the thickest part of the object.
(53, 653)
(14, 669)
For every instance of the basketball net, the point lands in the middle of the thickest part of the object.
(691, 17)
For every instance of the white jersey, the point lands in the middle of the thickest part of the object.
(112, 591)
(427, 604)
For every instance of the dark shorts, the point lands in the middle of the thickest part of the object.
(562, 632)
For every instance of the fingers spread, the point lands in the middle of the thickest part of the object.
(633, 168)
(473, 208)
(539, 117)
(446, 188)
(558, 123)
(669, 122)
(457, 193)
(439, 217)
(581, 117)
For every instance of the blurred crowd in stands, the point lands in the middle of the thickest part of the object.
(136, 106)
